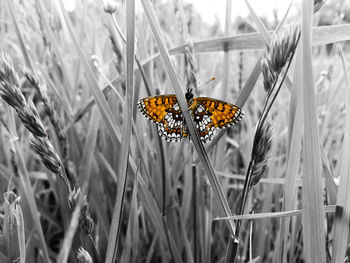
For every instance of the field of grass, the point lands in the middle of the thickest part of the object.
(85, 177)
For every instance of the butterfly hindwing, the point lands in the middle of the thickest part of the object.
(221, 113)
(203, 122)
(170, 128)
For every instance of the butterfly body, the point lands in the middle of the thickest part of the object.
(207, 114)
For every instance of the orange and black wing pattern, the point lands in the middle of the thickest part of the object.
(207, 114)
(202, 121)
(155, 108)
(165, 111)
(222, 114)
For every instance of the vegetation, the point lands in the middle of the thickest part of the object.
(84, 177)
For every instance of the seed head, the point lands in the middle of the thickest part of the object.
(110, 6)
(83, 256)
(71, 171)
(318, 4)
(31, 119)
(11, 94)
(191, 69)
(261, 152)
(86, 222)
(47, 153)
(269, 77)
(281, 47)
(73, 197)
(39, 84)
(7, 70)
(9, 87)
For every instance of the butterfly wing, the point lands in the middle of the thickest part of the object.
(203, 122)
(207, 114)
(165, 111)
(222, 114)
(155, 108)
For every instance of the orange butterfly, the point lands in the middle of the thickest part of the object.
(207, 114)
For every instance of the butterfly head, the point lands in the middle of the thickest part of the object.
(189, 95)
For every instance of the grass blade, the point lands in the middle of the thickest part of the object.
(56, 50)
(28, 191)
(10, 227)
(262, 29)
(220, 149)
(341, 228)
(322, 35)
(101, 101)
(220, 197)
(17, 210)
(221, 146)
(329, 180)
(27, 188)
(125, 143)
(295, 130)
(313, 219)
(327, 209)
(69, 234)
(252, 41)
(250, 83)
(153, 212)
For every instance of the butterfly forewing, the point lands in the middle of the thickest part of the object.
(222, 114)
(155, 108)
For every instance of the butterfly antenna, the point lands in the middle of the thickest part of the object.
(206, 82)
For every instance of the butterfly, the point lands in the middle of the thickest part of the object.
(207, 114)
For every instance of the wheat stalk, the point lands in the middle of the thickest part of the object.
(28, 114)
(279, 53)
(50, 112)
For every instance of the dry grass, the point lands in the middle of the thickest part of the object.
(85, 178)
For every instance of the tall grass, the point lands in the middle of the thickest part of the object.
(85, 178)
